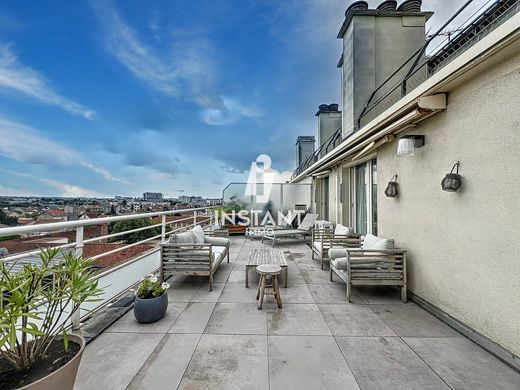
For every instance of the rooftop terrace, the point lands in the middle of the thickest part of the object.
(219, 339)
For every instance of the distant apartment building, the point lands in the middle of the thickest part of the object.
(192, 200)
(152, 196)
(213, 201)
(410, 117)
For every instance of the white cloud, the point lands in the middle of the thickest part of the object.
(8, 191)
(23, 143)
(66, 189)
(185, 69)
(17, 78)
(231, 112)
(70, 190)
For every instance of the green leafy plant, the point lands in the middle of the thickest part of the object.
(134, 237)
(151, 287)
(38, 302)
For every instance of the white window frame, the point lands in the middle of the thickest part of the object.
(353, 200)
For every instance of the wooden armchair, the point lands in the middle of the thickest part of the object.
(325, 239)
(373, 267)
(197, 259)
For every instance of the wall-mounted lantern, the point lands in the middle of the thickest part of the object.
(452, 181)
(407, 144)
(392, 189)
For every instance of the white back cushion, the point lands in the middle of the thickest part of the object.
(182, 238)
(374, 242)
(198, 234)
(343, 230)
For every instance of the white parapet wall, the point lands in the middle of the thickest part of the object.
(120, 279)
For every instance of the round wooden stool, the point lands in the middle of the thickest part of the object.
(273, 271)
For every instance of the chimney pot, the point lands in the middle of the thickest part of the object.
(410, 6)
(356, 6)
(323, 108)
(387, 6)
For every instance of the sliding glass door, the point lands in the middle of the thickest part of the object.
(364, 197)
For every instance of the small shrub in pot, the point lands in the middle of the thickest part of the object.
(37, 304)
(151, 299)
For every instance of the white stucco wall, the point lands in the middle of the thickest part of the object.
(464, 248)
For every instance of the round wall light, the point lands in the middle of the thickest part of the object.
(392, 189)
(452, 181)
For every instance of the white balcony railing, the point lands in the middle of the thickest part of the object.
(115, 280)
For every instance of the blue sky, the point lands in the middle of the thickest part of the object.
(104, 98)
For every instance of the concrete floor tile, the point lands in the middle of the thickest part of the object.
(204, 295)
(295, 293)
(237, 318)
(354, 320)
(128, 323)
(232, 362)
(193, 319)
(113, 359)
(297, 319)
(184, 292)
(238, 275)
(412, 321)
(315, 275)
(332, 293)
(167, 363)
(463, 364)
(308, 362)
(237, 292)
(387, 363)
(222, 274)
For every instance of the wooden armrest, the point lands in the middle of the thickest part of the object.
(383, 251)
(187, 246)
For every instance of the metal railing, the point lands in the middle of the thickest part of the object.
(200, 216)
(419, 67)
(332, 142)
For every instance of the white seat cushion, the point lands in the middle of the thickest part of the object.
(218, 252)
(374, 242)
(317, 246)
(343, 230)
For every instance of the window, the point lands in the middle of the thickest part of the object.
(364, 197)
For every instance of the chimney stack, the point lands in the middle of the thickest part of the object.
(376, 42)
(329, 121)
(304, 148)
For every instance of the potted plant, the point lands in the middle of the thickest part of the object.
(37, 304)
(234, 212)
(151, 299)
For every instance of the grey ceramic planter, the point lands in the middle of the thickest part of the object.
(150, 310)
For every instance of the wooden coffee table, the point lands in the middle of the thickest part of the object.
(260, 256)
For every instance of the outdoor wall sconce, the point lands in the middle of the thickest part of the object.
(392, 189)
(407, 144)
(452, 181)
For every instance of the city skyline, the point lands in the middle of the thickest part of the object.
(103, 98)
